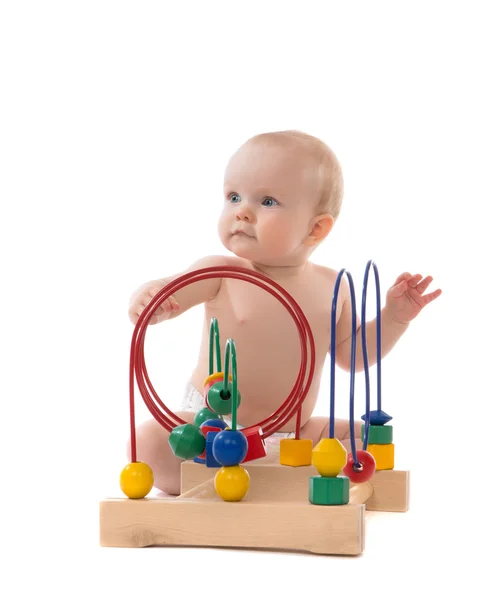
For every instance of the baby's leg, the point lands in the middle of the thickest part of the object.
(153, 448)
(317, 428)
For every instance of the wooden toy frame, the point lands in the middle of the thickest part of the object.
(275, 514)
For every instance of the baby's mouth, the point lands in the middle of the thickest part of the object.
(242, 234)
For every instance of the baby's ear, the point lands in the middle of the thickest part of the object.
(320, 228)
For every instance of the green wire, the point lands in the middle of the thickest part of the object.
(231, 349)
(214, 336)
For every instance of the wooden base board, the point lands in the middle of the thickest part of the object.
(275, 514)
(246, 524)
(272, 481)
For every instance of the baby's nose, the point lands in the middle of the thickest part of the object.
(245, 214)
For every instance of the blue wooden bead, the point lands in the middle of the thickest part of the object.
(377, 417)
(230, 447)
(209, 454)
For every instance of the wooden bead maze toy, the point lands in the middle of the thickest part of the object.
(307, 499)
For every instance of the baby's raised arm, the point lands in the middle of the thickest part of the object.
(184, 299)
(404, 301)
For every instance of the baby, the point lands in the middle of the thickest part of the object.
(282, 195)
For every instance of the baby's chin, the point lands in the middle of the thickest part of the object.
(255, 255)
(243, 250)
(251, 249)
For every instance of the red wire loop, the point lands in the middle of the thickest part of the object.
(166, 417)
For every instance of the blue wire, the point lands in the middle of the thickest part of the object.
(370, 264)
(352, 360)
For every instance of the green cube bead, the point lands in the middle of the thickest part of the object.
(329, 490)
(379, 434)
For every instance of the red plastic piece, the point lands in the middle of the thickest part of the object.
(368, 467)
(256, 445)
(205, 429)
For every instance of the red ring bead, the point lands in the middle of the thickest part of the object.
(368, 467)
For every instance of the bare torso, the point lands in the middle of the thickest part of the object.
(267, 340)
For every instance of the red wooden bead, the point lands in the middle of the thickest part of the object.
(205, 429)
(256, 446)
(368, 467)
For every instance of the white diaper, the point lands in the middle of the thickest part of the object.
(193, 401)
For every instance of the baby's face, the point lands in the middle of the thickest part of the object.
(270, 195)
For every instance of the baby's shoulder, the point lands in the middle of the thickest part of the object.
(329, 278)
(229, 261)
(325, 278)
(214, 260)
(328, 275)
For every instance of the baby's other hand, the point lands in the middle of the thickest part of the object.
(406, 298)
(142, 298)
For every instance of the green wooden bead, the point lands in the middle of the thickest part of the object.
(222, 406)
(379, 434)
(187, 441)
(329, 491)
(203, 415)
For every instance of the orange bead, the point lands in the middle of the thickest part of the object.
(296, 453)
(384, 455)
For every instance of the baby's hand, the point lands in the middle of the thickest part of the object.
(143, 296)
(406, 298)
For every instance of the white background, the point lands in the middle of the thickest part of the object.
(116, 122)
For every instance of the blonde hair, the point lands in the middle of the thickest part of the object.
(329, 170)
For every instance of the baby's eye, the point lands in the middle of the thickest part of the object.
(269, 202)
(234, 198)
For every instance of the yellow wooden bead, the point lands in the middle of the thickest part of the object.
(136, 480)
(329, 457)
(232, 483)
(214, 378)
(384, 455)
(296, 453)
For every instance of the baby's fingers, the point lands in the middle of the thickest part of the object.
(163, 310)
(135, 312)
(398, 289)
(169, 305)
(431, 296)
(158, 314)
(424, 284)
(169, 302)
(403, 277)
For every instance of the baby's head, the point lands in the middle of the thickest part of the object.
(282, 194)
